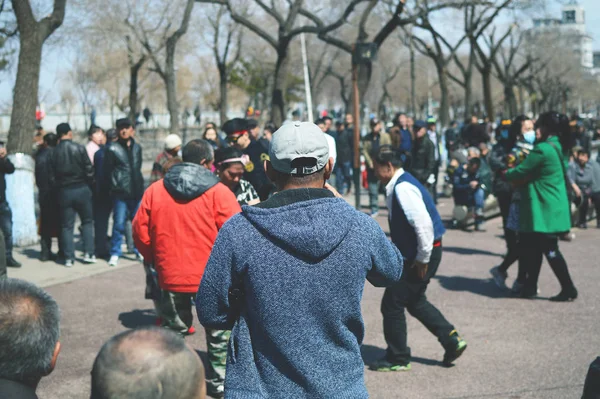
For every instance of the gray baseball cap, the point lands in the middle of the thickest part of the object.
(296, 140)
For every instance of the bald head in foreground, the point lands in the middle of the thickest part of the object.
(147, 363)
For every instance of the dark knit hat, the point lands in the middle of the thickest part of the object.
(123, 123)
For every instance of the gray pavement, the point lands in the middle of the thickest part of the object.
(517, 348)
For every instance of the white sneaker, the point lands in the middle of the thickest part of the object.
(139, 257)
(114, 260)
(69, 263)
(87, 258)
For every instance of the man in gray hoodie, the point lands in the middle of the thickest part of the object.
(292, 296)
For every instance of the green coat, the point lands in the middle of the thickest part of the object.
(544, 204)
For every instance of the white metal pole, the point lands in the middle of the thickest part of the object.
(306, 79)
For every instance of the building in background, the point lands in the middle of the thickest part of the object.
(570, 28)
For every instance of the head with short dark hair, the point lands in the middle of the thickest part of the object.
(328, 122)
(96, 134)
(50, 140)
(321, 123)
(112, 135)
(63, 129)
(230, 166)
(198, 151)
(253, 129)
(268, 131)
(583, 156)
(29, 332)
(147, 363)
(386, 161)
(474, 165)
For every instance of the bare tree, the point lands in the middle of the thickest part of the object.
(226, 55)
(387, 77)
(441, 59)
(32, 35)
(136, 61)
(509, 72)
(166, 69)
(286, 32)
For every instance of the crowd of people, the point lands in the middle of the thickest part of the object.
(283, 191)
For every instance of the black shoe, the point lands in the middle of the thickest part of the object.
(565, 296)
(45, 257)
(455, 349)
(12, 262)
(527, 293)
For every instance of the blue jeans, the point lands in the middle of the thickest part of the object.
(478, 199)
(123, 210)
(343, 176)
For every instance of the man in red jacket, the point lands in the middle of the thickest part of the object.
(175, 228)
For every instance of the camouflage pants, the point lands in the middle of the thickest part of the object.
(216, 343)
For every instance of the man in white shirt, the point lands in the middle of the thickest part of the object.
(416, 229)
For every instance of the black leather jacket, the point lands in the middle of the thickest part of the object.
(70, 166)
(123, 166)
(422, 164)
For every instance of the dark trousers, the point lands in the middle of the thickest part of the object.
(373, 184)
(409, 294)
(102, 209)
(49, 221)
(2, 258)
(434, 188)
(343, 177)
(534, 246)
(72, 201)
(585, 207)
(6, 226)
(512, 253)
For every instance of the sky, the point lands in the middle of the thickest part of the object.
(53, 60)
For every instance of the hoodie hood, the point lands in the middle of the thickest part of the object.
(308, 228)
(187, 181)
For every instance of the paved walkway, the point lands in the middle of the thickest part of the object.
(517, 348)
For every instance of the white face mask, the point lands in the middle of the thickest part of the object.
(529, 136)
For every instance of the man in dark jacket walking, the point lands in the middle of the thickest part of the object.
(293, 296)
(72, 174)
(49, 220)
(6, 168)
(417, 230)
(123, 169)
(423, 165)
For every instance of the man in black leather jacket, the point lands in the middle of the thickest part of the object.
(423, 163)
(123, 169)
(71, 173)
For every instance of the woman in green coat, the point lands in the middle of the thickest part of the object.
(544, 208)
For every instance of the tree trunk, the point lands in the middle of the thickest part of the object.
(22, 120)
(278, 111)
(486, 77)
(223, 102)
(133, 90)
(171, 86)
(469, 86)
(413, 81)
(510, 100)
(444, 94)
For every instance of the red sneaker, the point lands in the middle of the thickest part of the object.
(191, 330)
